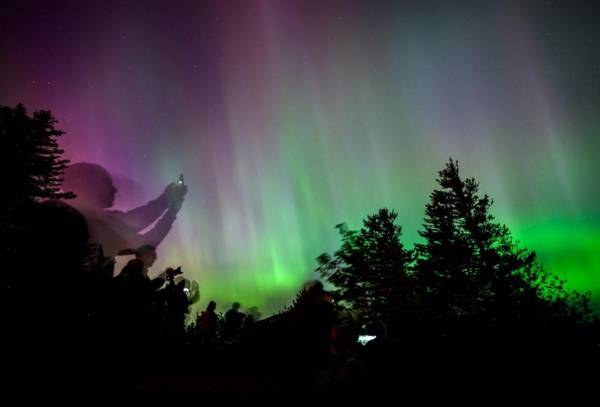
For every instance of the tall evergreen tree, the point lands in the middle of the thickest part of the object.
(369, 271)
(32, 165)
(469, 269)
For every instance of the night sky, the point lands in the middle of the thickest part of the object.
(289, 117)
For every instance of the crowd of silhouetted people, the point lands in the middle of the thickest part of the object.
(64, 304)
(134, 312)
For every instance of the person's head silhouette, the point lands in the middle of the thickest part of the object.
(91, 183)
(133, 268)
(147, 254)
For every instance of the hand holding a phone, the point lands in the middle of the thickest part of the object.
(175, 193)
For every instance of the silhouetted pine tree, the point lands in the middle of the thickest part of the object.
(470, 272)
(369, 271)
(32, 166)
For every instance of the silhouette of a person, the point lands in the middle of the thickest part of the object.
(116, 230)
(252, 315)
(207, 324)
(312, 334)
(147, 254)
(134, 294)
(233, 320)
(176, 307)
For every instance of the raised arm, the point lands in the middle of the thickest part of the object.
(156, 235)
(143, 216)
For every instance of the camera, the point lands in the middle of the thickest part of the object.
(171, 273)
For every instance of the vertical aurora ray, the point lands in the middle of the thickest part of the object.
(290, 117)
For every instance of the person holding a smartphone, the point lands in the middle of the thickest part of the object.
(117, 230)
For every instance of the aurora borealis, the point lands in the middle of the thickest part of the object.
(288, 117)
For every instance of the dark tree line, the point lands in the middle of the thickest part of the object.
(467, 278)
